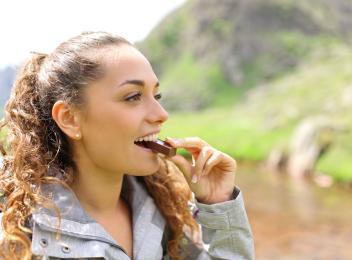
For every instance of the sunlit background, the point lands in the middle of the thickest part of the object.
(267, 81)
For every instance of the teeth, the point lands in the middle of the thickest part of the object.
(148, 138)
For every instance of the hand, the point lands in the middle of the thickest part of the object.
(211, 176)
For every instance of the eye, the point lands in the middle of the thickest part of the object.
(134, 97)
(158, 96)
(137, 97)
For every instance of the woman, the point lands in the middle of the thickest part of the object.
(76, 185)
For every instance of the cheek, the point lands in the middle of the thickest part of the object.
(111, 118)
(109, 137)
(124, 127)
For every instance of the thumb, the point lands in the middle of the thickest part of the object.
(183, 165)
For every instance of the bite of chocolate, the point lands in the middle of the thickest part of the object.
(159, 146)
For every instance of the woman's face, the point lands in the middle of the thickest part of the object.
(121, 107)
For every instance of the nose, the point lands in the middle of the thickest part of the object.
(157, 114)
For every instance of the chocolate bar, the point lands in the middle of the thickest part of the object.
(160, 147)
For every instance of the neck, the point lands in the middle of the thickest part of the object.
(96, 190)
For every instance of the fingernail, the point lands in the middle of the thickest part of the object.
(194, 178)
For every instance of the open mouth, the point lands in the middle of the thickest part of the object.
(158, 146)
(141, 144)
(146, 140)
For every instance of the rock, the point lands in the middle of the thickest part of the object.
(311, 140)
(324, 181)
(277, 160)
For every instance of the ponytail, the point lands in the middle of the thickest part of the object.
(23, 163)
(24, 85)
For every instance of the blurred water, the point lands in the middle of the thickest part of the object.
(295, 219)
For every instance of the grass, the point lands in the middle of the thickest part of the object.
(246, 140)
(338, 164)
(259, 123)
(226, 131)
(199, 85)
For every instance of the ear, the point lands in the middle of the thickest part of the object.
(67, 118)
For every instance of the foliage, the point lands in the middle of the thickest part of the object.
(197, 85)
(267, 116)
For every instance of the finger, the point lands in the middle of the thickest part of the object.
(187, 142)
(226, 162)
(204, 155)
(191, 144)
(183, 165)
(215, 159)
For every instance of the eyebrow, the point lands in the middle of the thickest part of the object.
(137, 82)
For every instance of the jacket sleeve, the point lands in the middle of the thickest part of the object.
(225, 229)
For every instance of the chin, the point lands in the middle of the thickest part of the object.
(148, 170)
(144, 167)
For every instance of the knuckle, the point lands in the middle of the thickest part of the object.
(191, 139)
(207, 149)
(196, 138)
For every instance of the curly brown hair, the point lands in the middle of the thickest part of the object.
(35, 146)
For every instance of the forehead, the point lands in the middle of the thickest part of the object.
(127, 63)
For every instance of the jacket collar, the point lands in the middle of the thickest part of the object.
(75, 222)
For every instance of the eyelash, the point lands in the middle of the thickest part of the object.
(137, 97)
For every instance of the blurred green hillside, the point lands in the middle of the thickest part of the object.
(210, 49)
(244, 74)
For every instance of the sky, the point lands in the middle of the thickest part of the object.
(41, 25)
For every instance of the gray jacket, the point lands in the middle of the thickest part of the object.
(225, 228)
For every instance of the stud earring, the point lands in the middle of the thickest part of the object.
(78, 136)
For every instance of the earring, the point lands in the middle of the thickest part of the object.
(78, 136)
